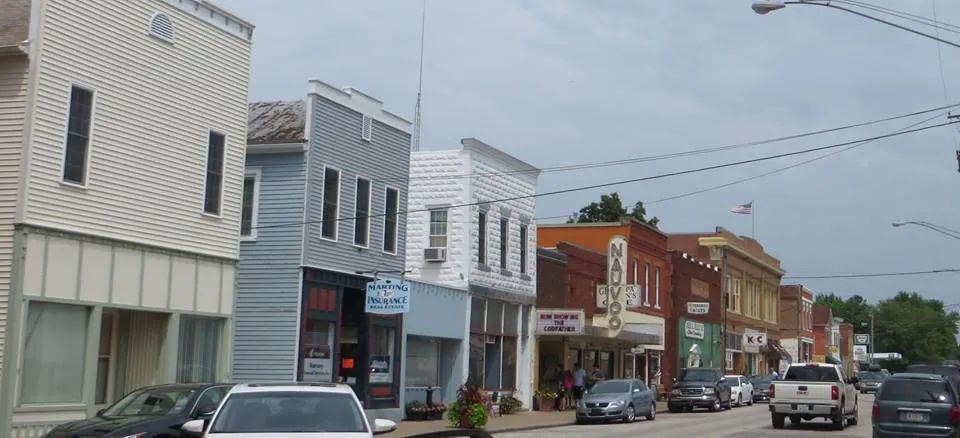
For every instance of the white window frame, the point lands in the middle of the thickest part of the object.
(646, 284)
(656, 290)
(223, 167)
(323, 203)
(356, 196)
(446, 228)
(256, 173)
(66, 136)
(396, 233)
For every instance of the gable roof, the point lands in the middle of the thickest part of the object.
(277, 122)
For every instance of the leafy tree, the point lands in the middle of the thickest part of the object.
(921, 330)
(855, 309)
(611, 209)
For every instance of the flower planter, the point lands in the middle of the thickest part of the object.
(546, 404)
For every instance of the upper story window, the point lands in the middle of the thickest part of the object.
(213, 193)
(438, 228)
(734, 296)
(161, 26)
(331, 203)
(656, 288)
(77, 150)
(251, 201)
(361, 213)
(504, 242)
(636, 271)
(391, 207)
(366, 129)
(523, 249)
(646, 284)
(482, 237)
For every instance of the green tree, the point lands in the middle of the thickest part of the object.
(855, 309)
(611, 209)
(922, 330)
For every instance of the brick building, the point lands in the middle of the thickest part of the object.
(695, 325)
(796, 321)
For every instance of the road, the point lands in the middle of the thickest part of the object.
(746, 422)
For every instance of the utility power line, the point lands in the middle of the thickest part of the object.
(882, 274)
(628, 181)
(903, 15)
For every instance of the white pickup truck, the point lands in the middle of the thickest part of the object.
(814, 390)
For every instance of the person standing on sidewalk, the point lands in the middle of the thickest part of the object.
(568, 389)
(579, 382)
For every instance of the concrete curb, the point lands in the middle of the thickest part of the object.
(660, 410)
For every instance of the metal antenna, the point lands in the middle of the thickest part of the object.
(415, 146)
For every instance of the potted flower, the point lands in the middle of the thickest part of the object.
(416, 411)
(436, 411)
(470, 409)
(546, 398)
(510, 405)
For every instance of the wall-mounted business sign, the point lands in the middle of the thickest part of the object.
(693, 329)
(613, 296)
(559, 322)
(862, 339)
(698, 308)
(753, 341)
(388, 297)
(860, 353)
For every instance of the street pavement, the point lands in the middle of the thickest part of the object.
(746, 422)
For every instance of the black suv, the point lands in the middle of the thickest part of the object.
(699, 388)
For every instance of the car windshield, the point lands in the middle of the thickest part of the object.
(611, 387)
(694, 374)
(922, 391)
(760, 381)
(152, 401)
(290, 412)
(872, 375)
(812, 373)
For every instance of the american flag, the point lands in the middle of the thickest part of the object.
(743, 209)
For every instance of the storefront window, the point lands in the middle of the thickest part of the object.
(729, 360)
(382, 362)
(493, 346)
(478, 315)
(477, 346)
(423, 361)
(492, 363)
(494, 317)
(55, 343)
(199, 348)
(606, 364)
(509, 371)
(510, 319)
(318, 351)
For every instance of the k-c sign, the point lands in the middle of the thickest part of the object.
(753, 341)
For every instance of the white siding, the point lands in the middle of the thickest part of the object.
(154, 105)
(13, 91)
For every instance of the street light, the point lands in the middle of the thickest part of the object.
(938, 228)
(764, 7)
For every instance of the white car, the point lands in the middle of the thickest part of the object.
(741, 390)
(316, 410)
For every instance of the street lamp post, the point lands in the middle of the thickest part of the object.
(934, 227)
(764, 7)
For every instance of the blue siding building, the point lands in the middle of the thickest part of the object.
(326, 181)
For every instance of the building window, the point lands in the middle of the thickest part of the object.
(504, 242)
(331, 203)
(366, 129)
(656, 288)
(76, 153)
(646, 284)
(391, 206)
(493, 344)
(729, 360)
(438, 228)
(382, 362)
(423, 362)
(214, 188)
(482, 238)
(55, 343)
(735, 296)
(636, 271)
(199, 349)
(523, 249)
(361, 213)
(251, 201)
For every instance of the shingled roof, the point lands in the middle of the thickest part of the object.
(276, 122)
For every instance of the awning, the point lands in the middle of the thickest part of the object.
(626, 336)
(774, 348)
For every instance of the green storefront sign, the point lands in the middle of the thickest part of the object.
(699, 344)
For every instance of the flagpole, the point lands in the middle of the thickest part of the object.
(753, 214)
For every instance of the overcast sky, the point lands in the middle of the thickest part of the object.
(561, 82)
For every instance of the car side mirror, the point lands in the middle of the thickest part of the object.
(206, 411)
(100, 412)
(723, 379)
(193, 427)
(636, 389)
(381, 426)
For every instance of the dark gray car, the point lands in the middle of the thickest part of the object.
(617, 400)
(913, 405)
(870, 381)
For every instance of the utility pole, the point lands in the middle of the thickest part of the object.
(873, 350)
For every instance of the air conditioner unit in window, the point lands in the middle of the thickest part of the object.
(435, 254)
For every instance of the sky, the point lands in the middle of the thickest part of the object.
(580, 81)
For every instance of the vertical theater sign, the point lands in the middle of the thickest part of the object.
(617, 296)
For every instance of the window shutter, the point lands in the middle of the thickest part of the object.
(366, 131)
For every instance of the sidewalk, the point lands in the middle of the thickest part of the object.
(527, 420)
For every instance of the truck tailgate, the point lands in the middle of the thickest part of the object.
(803, 392)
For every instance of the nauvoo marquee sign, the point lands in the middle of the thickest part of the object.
(616, 295)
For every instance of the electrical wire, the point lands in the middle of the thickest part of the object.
(641, 159)
(627, 181)
(903, 15)
(882, 274)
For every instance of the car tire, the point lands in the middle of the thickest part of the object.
(839, 420)
(777, 420)
(580, 421)
(630, 415)
(716, 406)
(739, 400)
(674, 410)
(653, 412)
(852, 421)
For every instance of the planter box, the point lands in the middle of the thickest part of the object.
(546, 404)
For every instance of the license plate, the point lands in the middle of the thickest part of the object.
(914, 417)
(597, 412)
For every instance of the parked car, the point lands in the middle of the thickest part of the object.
(814, 390)
(159, 410)
(741, 390)
(617, 400)
(910, 404)
(699, 388)
(270, 410)
(761, 388)
(870, 381)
